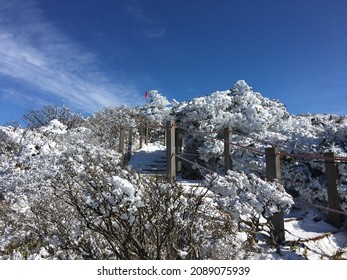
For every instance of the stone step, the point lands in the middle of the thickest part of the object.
(156, 165)
(154, 170)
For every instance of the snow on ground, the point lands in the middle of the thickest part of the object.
(308, 235)
(151, 158)
(321, 239)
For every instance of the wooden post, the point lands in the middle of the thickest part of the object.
(178, 149)
(332, 174)
(121, 144)
(227, 149)
(165, 137)
(141, 134)
(147, 133)
(273, 171)
(273, 164)
(171, 158)
(121, 141)
(130, 142)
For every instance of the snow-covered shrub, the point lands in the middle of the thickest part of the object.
(88, 214)
(158, 100)
(9, 142)
(240, 108)
(247, 197)
(41, 117)
(66, 197)
(108, 122)
(27, 173)
(158, 109)
(258, 122)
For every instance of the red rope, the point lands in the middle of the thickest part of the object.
(281, 153)
(215, 138)
(313, 156)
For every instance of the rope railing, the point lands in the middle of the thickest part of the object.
(156, 126)
(313, 156)
(272, 159)
(339, 159)
(196, 164)
(261, 141)
(304, 155)
(321, 207)
(191, 154)
(223, 140)
(249, 165)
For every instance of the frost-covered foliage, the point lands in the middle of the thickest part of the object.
(92, 213)
(258, 122)
(40, 154)
(64, 194)
(158, 109)
(240, 108)
(247, 197)
(66, 197)
(31, 161)
(158, 100)
(108, 122)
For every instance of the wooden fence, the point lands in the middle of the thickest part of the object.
(126, 137)
(174, 143)
(273, 172)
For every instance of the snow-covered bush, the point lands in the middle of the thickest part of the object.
(108, 122)
(241, 109)
(88, 214)
(41, 117)
(247, 198)
(258, 122)
(67, 198)
(158, 109)
(27, 174)
(158, 100)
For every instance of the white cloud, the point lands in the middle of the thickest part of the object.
(35, 52)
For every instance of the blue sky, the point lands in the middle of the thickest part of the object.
(87, 54)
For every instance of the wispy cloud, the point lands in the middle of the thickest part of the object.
(136, 11)
(34, 51)
(154, 33)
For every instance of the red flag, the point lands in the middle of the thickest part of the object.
(146, 95)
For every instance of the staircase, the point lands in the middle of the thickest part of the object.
(150, 160)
